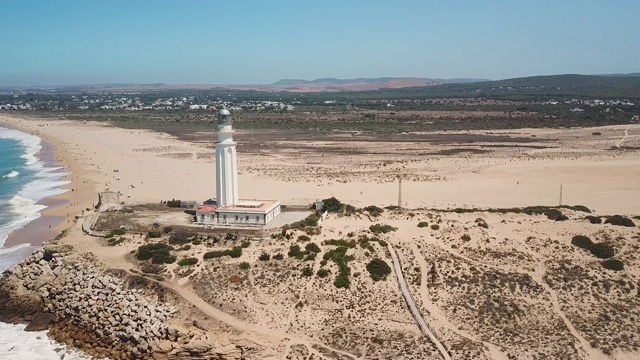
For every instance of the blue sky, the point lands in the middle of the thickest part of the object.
(256, 42)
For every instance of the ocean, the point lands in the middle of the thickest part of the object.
(25, 179)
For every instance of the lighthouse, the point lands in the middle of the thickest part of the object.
(228, 210)
(226, 162)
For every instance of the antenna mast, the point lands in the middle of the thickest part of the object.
(560, 194)
(399, 193)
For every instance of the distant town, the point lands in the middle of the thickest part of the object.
(131, 103)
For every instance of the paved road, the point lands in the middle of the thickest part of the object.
(412, 305)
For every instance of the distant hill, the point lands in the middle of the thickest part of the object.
(362, 84)
(359, 84)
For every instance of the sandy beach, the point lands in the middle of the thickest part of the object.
(527, 254)
(146, 166)
(61, 209)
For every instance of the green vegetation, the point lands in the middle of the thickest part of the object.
(435, 227)
(179, 238)
(113, 241)
(374, 210)
(482, 223)
(245, 244)
(381, 228)
(154, 234)
(311, 220)
(339, 257)
(613, 264)
(117, 232)
(343, 243)
(303, 238)
(264, 257)
(551, 212)
(323, 273)
(234, 252)
(620, 220)
(296, 252)
(378, 269)
(159, 253)
(594, 219)
(333, 205)
(365, 242)
(173, 203)
(465, 237)
(599, 250)
(582, 242)
(423, 224)
(310, 257)
(244, 265)
(278, 256)
(312, 247)
(188, 261)
(307, 271)
(602, 250)
(167, 229)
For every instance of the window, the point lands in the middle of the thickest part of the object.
(247, 218)
(258, 218)
(224, 217)
(236, 217)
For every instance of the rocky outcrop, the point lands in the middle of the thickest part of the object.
(90, 308)
(104, 313)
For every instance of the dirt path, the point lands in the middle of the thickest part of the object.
(588, 351)
(254, 332)
(626, 135)
(494, 352)
(412, 305)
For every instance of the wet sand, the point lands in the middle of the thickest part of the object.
(61, 209)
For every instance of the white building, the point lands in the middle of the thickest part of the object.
(228, 208)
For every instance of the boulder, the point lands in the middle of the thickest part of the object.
(41, 321)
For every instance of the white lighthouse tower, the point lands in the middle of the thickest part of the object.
(228, 210)
(226, 163)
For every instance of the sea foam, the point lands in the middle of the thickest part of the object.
(16, 344)
(13, 173)
(45, 182)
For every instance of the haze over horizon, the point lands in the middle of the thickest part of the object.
(255, 42)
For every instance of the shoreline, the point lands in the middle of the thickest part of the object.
(60, 207)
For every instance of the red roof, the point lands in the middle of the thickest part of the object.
(207, 208)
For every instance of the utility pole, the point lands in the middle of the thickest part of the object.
(560, 194)
(399, 193)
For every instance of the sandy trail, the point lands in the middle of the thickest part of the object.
(440, 318)
(254, 332)
(426, 329)
(626, 135)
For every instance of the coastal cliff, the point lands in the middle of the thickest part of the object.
(104, 313)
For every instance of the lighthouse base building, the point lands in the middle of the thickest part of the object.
(227, 208)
